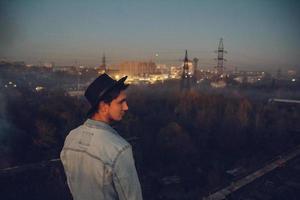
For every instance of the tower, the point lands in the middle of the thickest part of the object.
(195, 63)
(104, 63)
(102, 67)
(220, 58)
(185, 77)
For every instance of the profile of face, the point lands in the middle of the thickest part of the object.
(115, 110)
(118, 107)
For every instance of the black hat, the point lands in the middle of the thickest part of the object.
(99, 88)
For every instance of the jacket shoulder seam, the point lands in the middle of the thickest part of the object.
(87, 153)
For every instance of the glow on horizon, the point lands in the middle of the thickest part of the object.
(257, 34)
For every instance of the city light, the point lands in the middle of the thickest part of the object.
(39, 88)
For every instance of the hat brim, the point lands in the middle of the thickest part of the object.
(117, 83)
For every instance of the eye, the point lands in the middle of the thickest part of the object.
(122, 101)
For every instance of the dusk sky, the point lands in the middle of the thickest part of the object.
(258, 34)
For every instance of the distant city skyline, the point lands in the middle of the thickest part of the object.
(258, 34)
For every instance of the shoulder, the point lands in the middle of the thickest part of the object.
(108, 144)
(73, 135)
(112, 139)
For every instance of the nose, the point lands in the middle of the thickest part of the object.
(125, 106)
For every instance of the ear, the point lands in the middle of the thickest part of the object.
(103, 107)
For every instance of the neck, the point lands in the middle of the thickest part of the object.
(101, 118)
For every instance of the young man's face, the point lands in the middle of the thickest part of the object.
(118, 107)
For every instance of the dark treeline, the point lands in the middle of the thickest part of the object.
(195, 136)
(198, 135)
(34, 124)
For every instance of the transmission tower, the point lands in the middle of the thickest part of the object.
(195, 63)
(103, 66)
(220, 58)
(185, 77)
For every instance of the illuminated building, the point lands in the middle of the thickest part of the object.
(133, 68)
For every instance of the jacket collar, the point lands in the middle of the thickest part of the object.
(98, 124)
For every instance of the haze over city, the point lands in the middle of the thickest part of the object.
(257, 34)
(212, 109)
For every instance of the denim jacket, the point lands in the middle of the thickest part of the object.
(99, 164)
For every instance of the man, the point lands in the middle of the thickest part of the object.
(98, 162)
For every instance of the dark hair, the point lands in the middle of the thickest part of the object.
(109, 96)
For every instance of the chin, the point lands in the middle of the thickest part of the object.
(118, 119)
